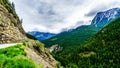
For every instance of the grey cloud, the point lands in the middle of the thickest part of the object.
(46, 9)
(79, 22)
(53, 14)
(73, 2)
(97, 9)
(91, 13)
(101, 8)
(47, 13)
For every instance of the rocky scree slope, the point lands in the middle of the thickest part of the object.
(10, 26)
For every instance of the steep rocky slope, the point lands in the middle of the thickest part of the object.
(20, 56)
(10, 26)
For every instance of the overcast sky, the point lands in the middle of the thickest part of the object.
(57, 15)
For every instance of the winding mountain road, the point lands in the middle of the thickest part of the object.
(7, 45)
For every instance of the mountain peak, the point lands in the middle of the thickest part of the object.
(102, 18)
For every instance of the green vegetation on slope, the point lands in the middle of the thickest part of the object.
(15, 57)
(101, 51)
(72, 40)
(30, 36)
(8, 6)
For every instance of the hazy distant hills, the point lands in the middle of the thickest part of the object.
(41, 35)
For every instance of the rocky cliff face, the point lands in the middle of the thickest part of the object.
(103, 18)
(11, 30)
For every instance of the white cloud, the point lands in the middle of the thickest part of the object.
(55, 15)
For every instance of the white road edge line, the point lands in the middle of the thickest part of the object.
(8, 45)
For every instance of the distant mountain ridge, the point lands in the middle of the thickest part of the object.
(71, 40)
(41, 35)
(100, 20)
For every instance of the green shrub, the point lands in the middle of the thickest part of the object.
(30, 36)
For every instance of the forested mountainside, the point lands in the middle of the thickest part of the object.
(68, 41)
(71, 40)
(102, 50)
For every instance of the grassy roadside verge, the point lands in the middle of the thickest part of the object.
(15, 57)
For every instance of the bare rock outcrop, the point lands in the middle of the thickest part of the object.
(11, 30)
